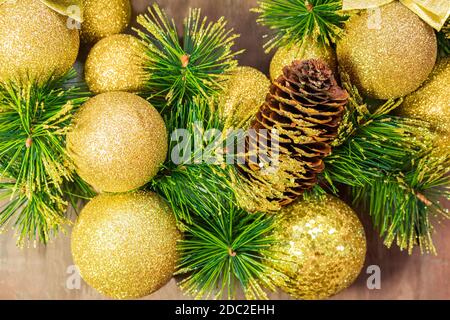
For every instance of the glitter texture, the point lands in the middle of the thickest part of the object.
(118, 141)
(102, 18)
(34, 41)
(309, 50)
(321, 247)
(125, 244)
(116, 63)
(432, 102)
(245, 92)
(388, 58)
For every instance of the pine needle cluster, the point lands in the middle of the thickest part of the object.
(183, 69)
(37, 177)
(293, 21)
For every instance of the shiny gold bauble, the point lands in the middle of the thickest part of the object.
(245, 91)
(35, 41)
(117, 142)
(387, 55)
(125, 244)
(308, 50)
(321, 248)
(102, 18)
(116, 63)
(432, 101)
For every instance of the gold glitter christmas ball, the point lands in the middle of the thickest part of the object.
(245, 91)
(389, 53)
(125, 244)
(321, 247)
(102, 18)
(117, 142)
(35, 42)
(432, 101)
(308, 50)
(116, 63)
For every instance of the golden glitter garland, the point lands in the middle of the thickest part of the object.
(125, 244)
(102, 18)
(35, 42)
(116, 63)
(390, 55)
(244, 93)
(308, 50)
(118, 141)
(321, 247)
(432, 102)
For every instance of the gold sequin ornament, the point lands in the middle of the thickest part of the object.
(125, 244)
(102, 18)
(35, 41)
(245, 91)
(116, 63)
(321, 247)
(117, 142)
(432, 102)
(310, 49)
(388, 52)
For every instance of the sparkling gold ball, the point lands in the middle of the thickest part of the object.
(321, 247)
(125, 244)
(308, 50)
(245, 91)
(117, 142)
(35, 42)
(116, 63)
(432, 101)
(102, 18)
(389, 53)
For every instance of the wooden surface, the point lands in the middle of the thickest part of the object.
(44, 272)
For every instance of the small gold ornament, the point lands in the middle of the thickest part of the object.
(35, 42)
(321, 247)
(308, 50)
(244, 93)
(389, 52)
(102, 18)
(116, 63)
(432, 102)
(125, 244)
(118, 141)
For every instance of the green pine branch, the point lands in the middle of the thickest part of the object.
(195, 66)
(393, 169)
(293, 21)
(36, 170)
(225, 251)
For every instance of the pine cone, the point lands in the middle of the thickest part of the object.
(304, 108)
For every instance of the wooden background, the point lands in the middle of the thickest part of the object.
(43, 272)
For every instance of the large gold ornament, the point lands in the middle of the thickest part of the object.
(118, 141)
(116, 63)
(321, 248)
(432, 102)
(244, 93)
(35, 41)
(388, 53)
(308, 50)
(125, 244)
(102, 18)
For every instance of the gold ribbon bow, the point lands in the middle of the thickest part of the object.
(433, 12)
(71, 8)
